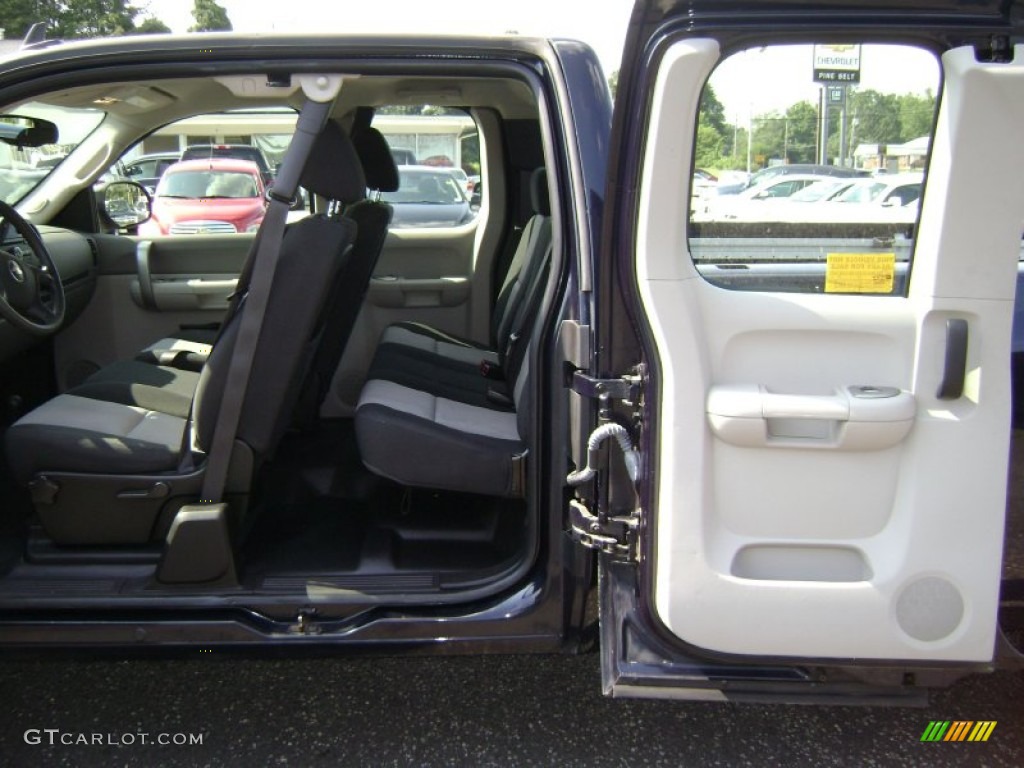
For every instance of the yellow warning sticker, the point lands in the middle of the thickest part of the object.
(860, 272)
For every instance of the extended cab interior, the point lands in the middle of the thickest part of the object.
(388, 448)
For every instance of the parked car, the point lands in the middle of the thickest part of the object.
(237, 151)
(463, 180)
(207, 197)
(148, 169)
(755, 202)
(428, 197)
(767, 174)
(760, 466)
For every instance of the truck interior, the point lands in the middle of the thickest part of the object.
(387, 449)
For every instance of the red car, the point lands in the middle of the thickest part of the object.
(212, 196)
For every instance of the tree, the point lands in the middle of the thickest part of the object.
(613, 82)
(712, 112)
(18, 16)
(711, 131)
(209, 17)
(91, 18)
(709, 147)
(802, 133)
(877, 115)
(916, 115)
(69, 19)
(151, 25)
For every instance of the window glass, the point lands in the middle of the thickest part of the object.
(24, 164)
(437, 150)
(239, 153)
(810, 167)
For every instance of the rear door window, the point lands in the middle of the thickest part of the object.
(820, 154)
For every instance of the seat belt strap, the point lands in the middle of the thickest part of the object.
(310, 123)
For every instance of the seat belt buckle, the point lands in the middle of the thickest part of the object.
(491, 370)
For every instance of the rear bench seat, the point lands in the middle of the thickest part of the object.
(442, 412)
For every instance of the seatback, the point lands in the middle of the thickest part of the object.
(315, 255)
(533, 244)
(372, 217)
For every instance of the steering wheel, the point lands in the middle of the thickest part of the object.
(31, 294)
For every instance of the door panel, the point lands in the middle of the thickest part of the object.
(796, 513)
(144, 293)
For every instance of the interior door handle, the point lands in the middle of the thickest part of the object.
(955, 369)
(144, 275)
(851, 418)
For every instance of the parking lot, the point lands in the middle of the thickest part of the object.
(513, 710)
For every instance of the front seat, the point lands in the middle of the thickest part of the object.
(110, 473)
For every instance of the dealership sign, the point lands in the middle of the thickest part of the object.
(839, 64)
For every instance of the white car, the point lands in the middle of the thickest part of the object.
(750, 204)
(887, 198)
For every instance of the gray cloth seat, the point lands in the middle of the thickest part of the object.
(428, 415)
(420, 439)
(75, 434)
(165, 389)
(426, 358)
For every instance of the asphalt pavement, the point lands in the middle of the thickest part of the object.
(460, 711)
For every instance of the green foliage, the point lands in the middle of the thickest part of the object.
(151, 25)
(17, 16)
(209, 17)
(792, 136)
(917, 113)
(709, 147)
(70, 19)
(712, 112)
(613, 82)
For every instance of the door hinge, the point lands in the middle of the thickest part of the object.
(624, 388)
(614, 535)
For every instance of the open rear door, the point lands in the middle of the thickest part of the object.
(826, 409)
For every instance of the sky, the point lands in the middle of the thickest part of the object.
(601, 23)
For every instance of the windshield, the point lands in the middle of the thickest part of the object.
(22, 169)
(207, 184)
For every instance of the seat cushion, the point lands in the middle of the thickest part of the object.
(419, 439)
(188, 350)
(79, 434)
(152, 387)
(425, 359)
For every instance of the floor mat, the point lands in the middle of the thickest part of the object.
(320, 535)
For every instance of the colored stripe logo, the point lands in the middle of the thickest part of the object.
(958, 730)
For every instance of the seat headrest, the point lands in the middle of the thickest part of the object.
(333, 170)
(378, 162)
(539, 198)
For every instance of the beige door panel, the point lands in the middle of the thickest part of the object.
(146, 292)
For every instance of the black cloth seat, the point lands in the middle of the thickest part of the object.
(163, 377)
(72, 433)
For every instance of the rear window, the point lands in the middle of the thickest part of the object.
(208, 185)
